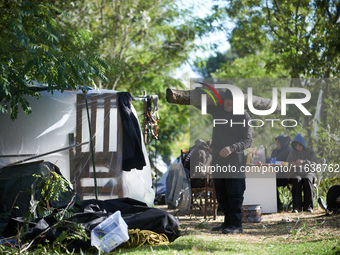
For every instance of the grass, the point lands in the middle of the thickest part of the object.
(201, 244)
(304, 234)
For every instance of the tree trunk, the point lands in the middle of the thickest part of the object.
(193, 97)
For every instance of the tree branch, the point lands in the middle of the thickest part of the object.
(270, 23)
(193, 97)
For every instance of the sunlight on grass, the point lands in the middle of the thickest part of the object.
(224, 244)
(220, 244)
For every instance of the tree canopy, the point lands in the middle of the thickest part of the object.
(304, 33)
(129, 45)
(136, 46)
(37, 45)
(299, 40)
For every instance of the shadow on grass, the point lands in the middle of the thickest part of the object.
(272, 226)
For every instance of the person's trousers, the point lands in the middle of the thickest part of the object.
(229, 194)
(304, 183)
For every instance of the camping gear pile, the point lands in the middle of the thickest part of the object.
(91, 141)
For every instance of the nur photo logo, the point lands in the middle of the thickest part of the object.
(239, 98)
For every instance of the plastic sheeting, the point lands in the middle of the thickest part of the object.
(59, 120)
(178, 190)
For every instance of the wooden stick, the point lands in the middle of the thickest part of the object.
(193, 97)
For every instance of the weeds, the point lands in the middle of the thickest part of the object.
(47, 191)
(203, 224)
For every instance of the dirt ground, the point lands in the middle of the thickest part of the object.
(282, 227)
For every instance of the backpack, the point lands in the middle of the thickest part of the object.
(198, 158)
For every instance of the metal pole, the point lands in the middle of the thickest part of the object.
(154, 164)
(144, 117)
(91, 144)
(45, 154)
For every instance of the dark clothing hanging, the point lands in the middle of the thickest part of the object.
(133, 156)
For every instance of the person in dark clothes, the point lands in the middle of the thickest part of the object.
(281, 153)
(228, 143)
(302, 174)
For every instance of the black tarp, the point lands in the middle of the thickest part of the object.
(19, 187)
(90, 213)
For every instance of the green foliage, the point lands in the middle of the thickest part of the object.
(304, 33)
(213, 63)
(49, 189)
(299, 40)
(149, 38)
(50, 186)
(59, 43)
(201, 126)
(257, 65)
(36, 46)
(147, 41)
(285, 196)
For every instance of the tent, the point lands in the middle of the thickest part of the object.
(59, 124)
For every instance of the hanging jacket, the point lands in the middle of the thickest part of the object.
(133, 156)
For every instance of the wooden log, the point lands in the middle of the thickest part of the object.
(193, 97)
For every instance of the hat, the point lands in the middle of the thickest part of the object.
(226, 94)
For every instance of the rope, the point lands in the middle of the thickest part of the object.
(144, 237)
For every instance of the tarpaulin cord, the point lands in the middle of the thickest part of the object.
(44, 154)
(140, 237)
(91, 144)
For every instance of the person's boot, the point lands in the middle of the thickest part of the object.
(220, 227)
(232, 230)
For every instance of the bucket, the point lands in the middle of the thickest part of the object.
(110, 233)
(251, 213)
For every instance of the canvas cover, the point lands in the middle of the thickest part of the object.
(59, 123)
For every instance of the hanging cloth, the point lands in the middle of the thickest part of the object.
(133, 156)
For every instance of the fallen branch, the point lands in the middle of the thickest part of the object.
(26, 246)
